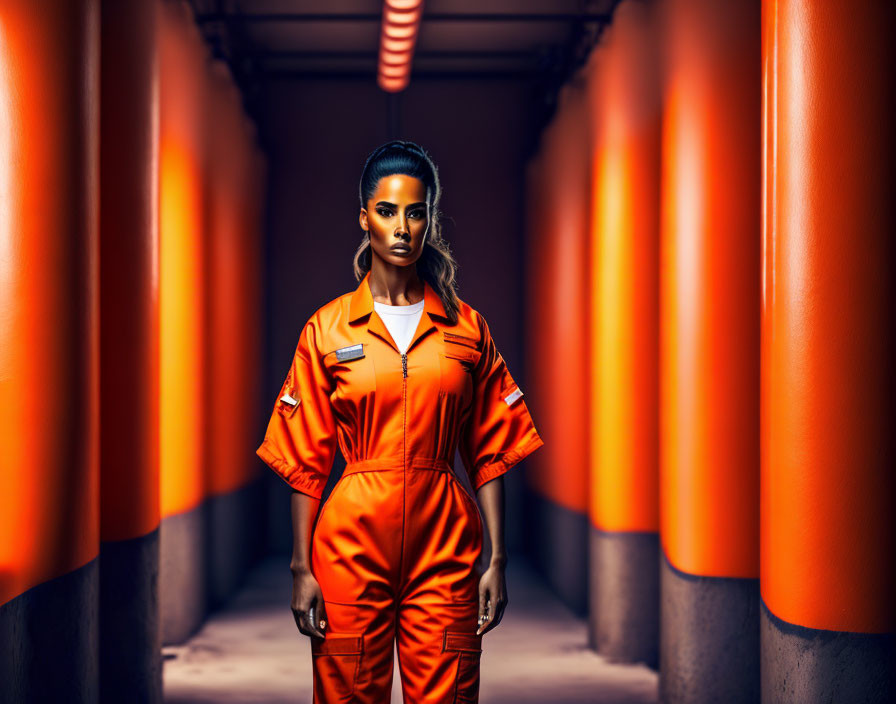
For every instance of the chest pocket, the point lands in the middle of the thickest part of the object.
(353, 371)
(457, 358)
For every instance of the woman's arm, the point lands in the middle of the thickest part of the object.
(305, 589)
(492, 587)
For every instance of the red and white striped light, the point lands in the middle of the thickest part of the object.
(398, 37)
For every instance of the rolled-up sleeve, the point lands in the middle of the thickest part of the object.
(300, 440)
(499, 432)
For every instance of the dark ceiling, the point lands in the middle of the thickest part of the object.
(457, 37)
(541, 41)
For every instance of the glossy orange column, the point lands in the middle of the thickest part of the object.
(182, 298)
(130, 272)
(709, 400)
(233, 304)
(130, 657)
(828, 546)
(234, 334)
(625, 117)
(558, 343)
(49, 347)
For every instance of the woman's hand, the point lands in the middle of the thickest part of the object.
(492, 589)
(305, 594)
(492, 597)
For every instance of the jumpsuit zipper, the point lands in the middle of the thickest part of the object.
(404, 461)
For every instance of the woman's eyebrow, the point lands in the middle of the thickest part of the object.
(392, 205)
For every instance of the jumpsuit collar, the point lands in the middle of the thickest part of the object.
(362, 304)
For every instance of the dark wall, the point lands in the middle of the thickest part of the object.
(318, 134)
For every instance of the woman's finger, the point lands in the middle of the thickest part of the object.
(321, 616)
(483, 598)
(301, 618)
(485, 618)
(312, 619)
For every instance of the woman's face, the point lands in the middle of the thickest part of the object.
(397, 218)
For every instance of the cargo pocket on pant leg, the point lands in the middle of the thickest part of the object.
(337, 659)
(469, 650)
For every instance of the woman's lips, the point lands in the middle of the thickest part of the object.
(401, 250)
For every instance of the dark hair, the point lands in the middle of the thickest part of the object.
(436, 264)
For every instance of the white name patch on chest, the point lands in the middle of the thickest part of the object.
(350, 352)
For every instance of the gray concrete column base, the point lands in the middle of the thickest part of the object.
(558, 546)
(49, 640)
(235, 531)
(130, 635)
(625, 596)
(811, 665)
(182, 575)
(709, 638)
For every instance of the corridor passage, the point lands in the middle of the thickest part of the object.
(650, 239)
(251, 653)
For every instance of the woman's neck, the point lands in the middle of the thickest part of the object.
(395, 285)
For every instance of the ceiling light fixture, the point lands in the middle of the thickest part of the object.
(398, 37)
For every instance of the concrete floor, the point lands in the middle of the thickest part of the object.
(252, 653)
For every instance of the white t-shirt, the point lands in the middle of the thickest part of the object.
(401, 321)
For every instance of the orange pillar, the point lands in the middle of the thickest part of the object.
(256, 235)
(828, 545)
(558, 339)
(49, 348)
(709, 399)
(232, 357)
(130, 658)
(182, 289)
(625, 109)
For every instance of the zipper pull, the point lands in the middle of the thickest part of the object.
(404, 364)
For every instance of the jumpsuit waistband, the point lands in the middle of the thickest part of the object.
(390, 463)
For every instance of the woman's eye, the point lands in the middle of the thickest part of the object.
(387, 213)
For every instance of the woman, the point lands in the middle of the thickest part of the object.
(398, 373)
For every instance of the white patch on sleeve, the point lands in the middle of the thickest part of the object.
(513, 396)
(286, 398)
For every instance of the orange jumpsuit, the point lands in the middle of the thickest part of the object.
(395, 547)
